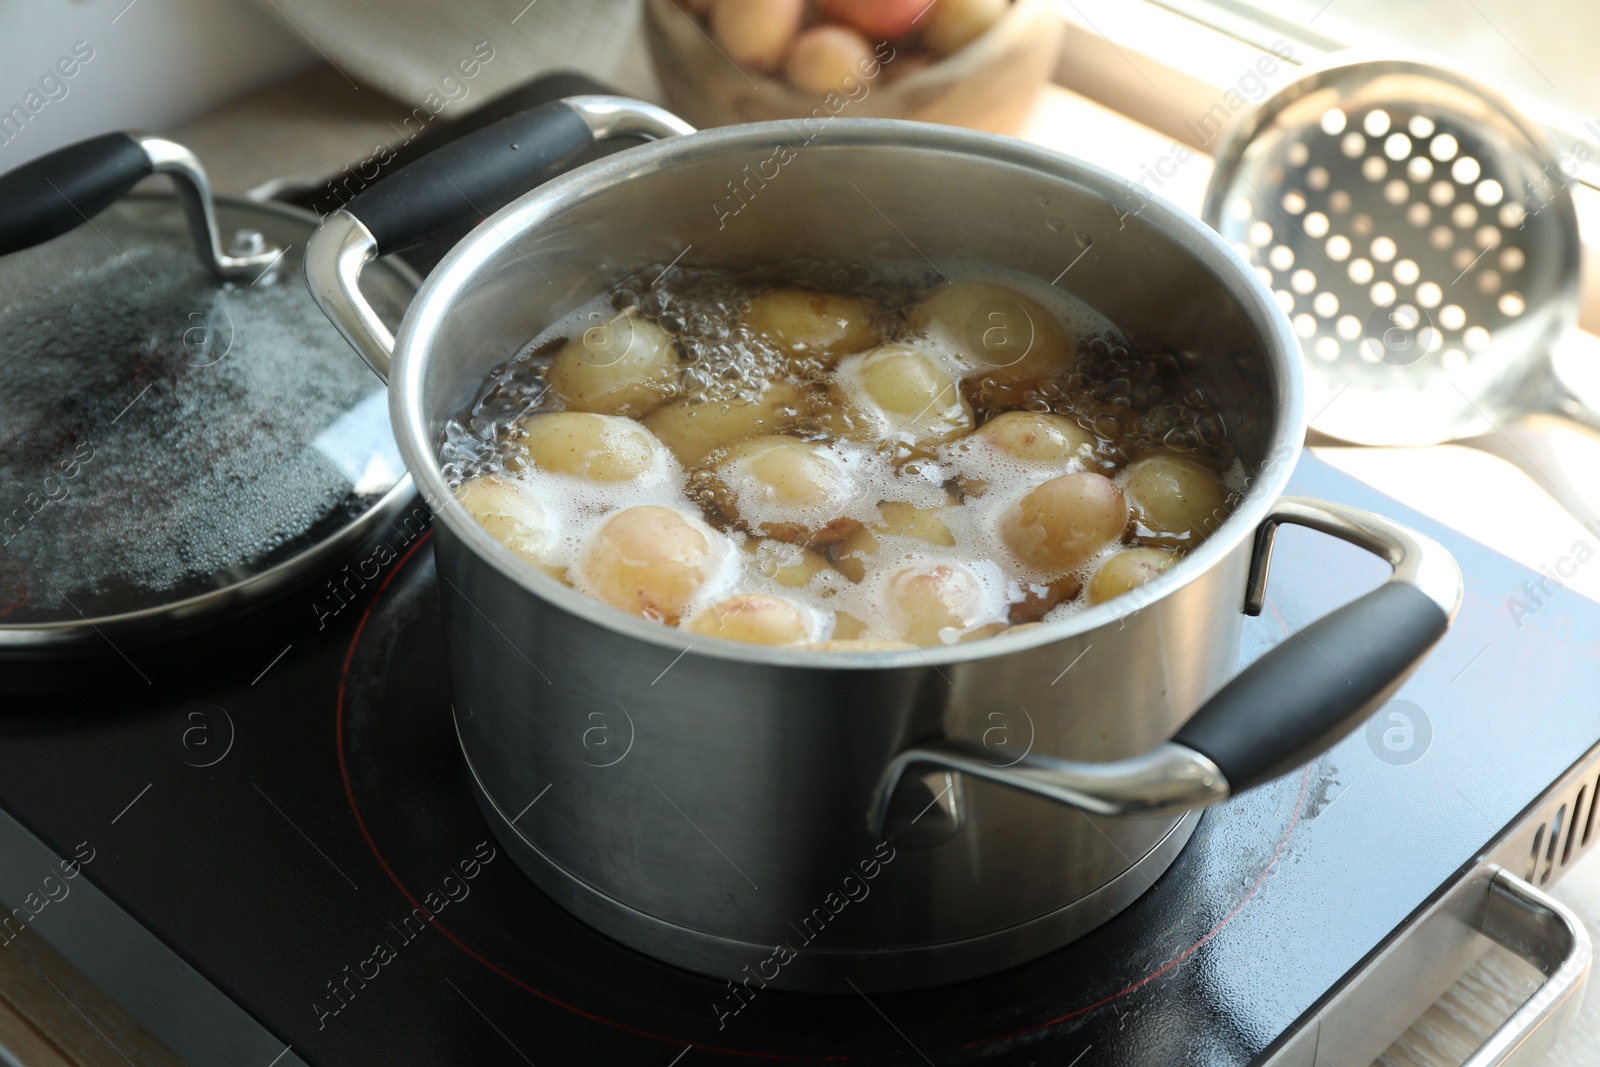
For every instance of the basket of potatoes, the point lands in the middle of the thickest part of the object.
(975, 63)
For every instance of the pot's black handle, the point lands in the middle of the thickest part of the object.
(470, 177)
(1296, 701)
(478, 174)
(62, 190)
(1306, 693)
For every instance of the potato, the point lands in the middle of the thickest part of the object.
(828, 59)
(882, 20)
(1128, 570)
(1176, 501)
(649, 561)
(926, 601)
(754, 618)
(787, 564)
(785, 488)
(851, 555)
(996, 331)
(1038, 439)
(756, 33)
(811, 325)
(899, 393)
(602, 448)
(625, 367)
(1057, 526)
(952, 24)
(512, 515)
(693, 431)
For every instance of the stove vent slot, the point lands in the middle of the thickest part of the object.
(1577, 817)
(1555, 841)
(1533, 857)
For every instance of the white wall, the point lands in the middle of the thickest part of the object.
(155, 64)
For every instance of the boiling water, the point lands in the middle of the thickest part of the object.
(1131, 400)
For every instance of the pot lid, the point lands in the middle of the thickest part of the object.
(172, 442)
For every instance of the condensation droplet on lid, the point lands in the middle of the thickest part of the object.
(1305, 325)
(1302, 281)
(1511, 259)
(1259, 233)
(1406, 271)
(1326, 348)
(1430, 338)
(1056, 224)
(1462, 258)
(1315, 224)
(1285, 299)
(1429, 294)
(1395, 191)
(1243, 251)
(1325, 304)
(1486, 237)
(1084, 240)
(1240, 208)
(1489, 192)
(1441, 193)
(1476, 337)
(1361, 224)
(1465, 170)
(1265, 275)
(1382, 294)
(1333, 122)
(1339, 200)
(1338, 248)
(1488, 281)
(1406, 317)
(1294, 203)
(1463, 216)
(1281, 257)
(1441, 237)
(1512, 304)
(1360, 271)
(1371, 349)
(1353, 145)
(1348, 327)
(1512, 214)
(1452, 317)
(1297, 154)
(1397, 146)
(1373, 168)
(1421, 127)
(1453, 360)
(1419, 169)
(1317, 178)
(1419, 214)
(1443, 147)
(1376, 122)
(1383, 249)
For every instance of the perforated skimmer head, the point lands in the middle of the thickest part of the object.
(1419, 235)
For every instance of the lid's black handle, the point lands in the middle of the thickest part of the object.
(48, 196)
(481, 172)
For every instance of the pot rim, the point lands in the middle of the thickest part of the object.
(436, 299)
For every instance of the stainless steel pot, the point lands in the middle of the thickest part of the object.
(895, 819)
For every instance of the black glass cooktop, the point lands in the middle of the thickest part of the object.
(282, 805)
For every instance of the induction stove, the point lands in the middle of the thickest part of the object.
(275, 856)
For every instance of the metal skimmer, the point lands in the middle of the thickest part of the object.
(1421, 237)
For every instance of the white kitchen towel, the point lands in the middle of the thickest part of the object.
(408, 48)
